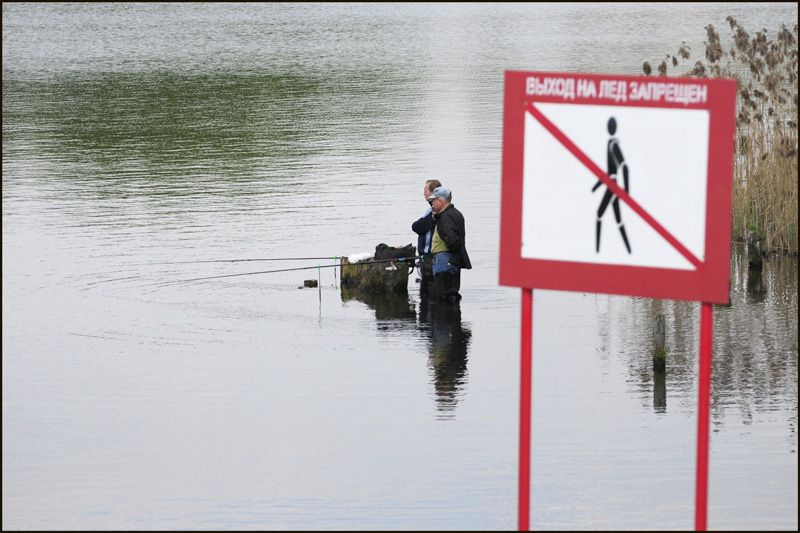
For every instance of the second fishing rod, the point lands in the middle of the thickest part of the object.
(342, 265)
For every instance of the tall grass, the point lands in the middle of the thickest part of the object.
(765, 168)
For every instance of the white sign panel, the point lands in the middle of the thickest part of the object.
(569, 215)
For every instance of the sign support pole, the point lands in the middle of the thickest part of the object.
(703, 412)
(526, 350)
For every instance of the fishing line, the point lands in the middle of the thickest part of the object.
(335, 277)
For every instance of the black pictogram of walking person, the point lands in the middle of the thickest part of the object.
(616, 167)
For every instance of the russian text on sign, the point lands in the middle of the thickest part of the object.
(617, 90)
(670, 92)
(551, 87)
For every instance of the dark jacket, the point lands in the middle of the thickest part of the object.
(424, 228)
(451, 228)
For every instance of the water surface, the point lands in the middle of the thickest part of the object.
(142, 139)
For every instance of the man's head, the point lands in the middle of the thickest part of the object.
(440, 198)
(430, 186)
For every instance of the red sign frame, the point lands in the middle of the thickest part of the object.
(709, 281)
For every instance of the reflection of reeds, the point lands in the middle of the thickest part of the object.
(765, 169)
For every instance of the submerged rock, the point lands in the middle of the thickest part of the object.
(375, 277)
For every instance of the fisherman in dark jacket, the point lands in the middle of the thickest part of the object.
(424, 228)
(449, 245)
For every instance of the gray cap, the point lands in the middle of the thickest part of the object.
(440, 192)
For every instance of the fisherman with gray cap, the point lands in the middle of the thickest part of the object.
(448, 247)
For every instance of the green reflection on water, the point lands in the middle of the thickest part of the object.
(166, 129)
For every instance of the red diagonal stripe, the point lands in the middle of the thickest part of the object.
(611, 184)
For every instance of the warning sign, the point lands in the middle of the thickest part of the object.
(617, 184)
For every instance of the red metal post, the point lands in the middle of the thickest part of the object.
(703, 415)
(526, 349)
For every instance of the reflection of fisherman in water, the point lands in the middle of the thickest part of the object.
(439, 324)
(616, 166)
(449, 342)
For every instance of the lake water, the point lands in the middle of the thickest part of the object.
(148, 143)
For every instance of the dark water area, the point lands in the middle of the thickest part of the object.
(144, 144)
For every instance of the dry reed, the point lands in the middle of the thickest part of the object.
(765, 168)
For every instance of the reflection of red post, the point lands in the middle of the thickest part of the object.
(703, 411)
(526, 349)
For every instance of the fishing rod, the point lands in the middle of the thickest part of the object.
(335, 257)
(393, 260)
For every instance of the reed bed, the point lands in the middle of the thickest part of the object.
(765, 168)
